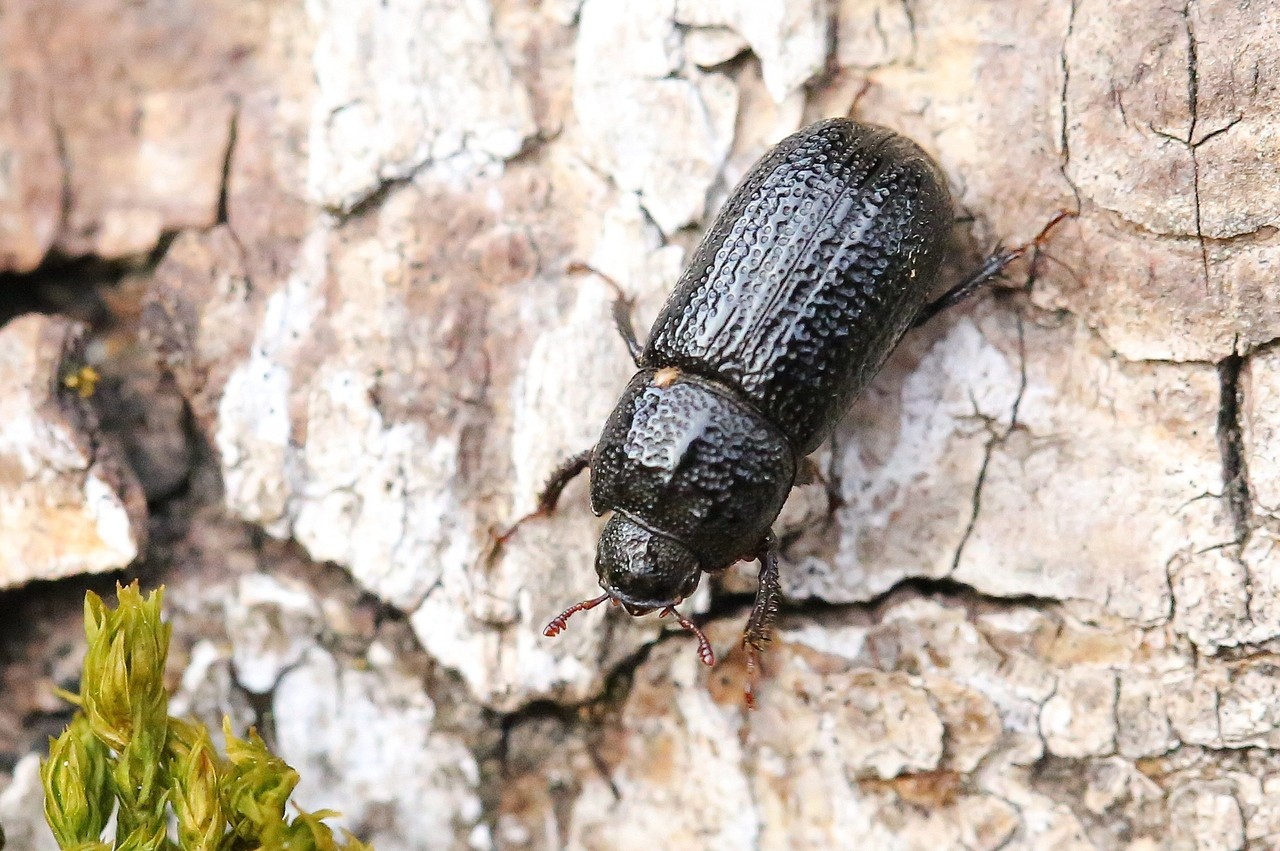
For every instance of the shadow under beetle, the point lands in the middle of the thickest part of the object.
(823, 257)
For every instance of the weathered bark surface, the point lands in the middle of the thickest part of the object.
(1042, 608)
(68, 503)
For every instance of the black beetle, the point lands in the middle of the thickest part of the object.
(823, 257)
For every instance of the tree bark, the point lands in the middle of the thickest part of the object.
(1034, 604)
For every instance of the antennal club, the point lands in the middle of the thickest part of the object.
(705, 653)
(561, 621)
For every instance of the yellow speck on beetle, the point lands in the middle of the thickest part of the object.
(666, 376)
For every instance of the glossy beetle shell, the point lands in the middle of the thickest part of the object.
(811, 272)
(818, 263)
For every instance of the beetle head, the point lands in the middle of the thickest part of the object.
(641, 571)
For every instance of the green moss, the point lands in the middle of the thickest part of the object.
(122, 754)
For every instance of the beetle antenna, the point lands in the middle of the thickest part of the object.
(560, 621)
(705, 653)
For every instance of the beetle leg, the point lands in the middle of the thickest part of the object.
(809, 473)
(987, 272)
(550, 495)
(622, 304)
(760, 624)
(622, 320)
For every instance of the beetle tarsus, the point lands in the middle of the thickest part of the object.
(560, 622)
(1042, 237)
(760, 624)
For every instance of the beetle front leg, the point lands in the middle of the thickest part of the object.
(991, 269)
(760, 624)
(550, 495)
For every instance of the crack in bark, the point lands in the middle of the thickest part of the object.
(831, 47)
(64, 198)
(995, 440)
(977, 504)
(72, 286)
(1064, 137)
(1235, 480)
(1235, 484)
(1218, 132)
(732, 606)
(225, 180)
(1115, 711)
(912, 31)
(373, 199)
(1193, 87)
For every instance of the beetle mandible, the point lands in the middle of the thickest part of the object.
(818, 263)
